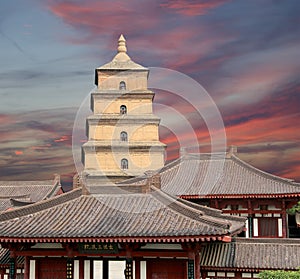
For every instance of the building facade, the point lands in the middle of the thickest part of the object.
(225, 182)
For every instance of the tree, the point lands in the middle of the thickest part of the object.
(279, 274)
(294, 209)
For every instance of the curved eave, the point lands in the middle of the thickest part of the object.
(127, 239)
(263, 173)
(239, 196)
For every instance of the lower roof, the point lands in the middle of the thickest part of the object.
(27, 191)
(252, 254)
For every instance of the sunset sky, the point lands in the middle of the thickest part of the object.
(246, 54)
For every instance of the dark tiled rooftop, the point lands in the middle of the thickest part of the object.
(110, 216)
(218, 175)
(26, 191)
(245, 254)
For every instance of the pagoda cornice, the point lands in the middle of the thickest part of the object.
(97, 119)
(91, 145)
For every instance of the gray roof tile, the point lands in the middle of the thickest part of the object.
(111, 216)
(219, 175)
(254, 254)
(26, 191)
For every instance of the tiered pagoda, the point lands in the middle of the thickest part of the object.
(123, 139)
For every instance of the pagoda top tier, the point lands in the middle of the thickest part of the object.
(122, 61)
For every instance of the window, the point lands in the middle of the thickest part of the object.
(123, 109)
(124, 164)
(122, 85)
(124, 136)
(268, 227)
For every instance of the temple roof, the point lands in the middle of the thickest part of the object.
(115, 217)
(252, 254)
(216, 175)
(12, 192)
(122, 61)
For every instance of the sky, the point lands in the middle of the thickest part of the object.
(245, 53)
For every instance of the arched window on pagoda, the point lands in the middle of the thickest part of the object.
(123, 109)
(123, 136)
(122, 85)
(124, 164)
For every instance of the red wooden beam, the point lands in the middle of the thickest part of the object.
(134, 254)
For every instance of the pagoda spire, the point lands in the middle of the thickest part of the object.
(122, 44)
(122, 55)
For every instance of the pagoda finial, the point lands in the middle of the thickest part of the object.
(122, 44)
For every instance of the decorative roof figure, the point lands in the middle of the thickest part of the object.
(122, 55)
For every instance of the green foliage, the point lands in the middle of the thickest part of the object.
(294, 209)
(279, 274)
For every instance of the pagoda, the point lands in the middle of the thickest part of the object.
(123, 139)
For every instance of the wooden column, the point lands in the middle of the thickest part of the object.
(37, 262)
(197, 265)
(137, 268)
(81, 268)
(26, 267)
(91, 269)
(284, 220)
(216, 204)
(250, 219)
(128, 272)
(70, 261)
(105, 269)
(193, 260)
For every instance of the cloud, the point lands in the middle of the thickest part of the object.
(35, 149)
(192, 7)
(105, 17)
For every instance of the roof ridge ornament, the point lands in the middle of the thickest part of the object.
(232, 151)
(122, 44)
(122, 55)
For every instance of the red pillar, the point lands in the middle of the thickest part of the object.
(81, 268)
(26, 267)
(137, 269)
(284, 220)
(37, 268)
(197, 265)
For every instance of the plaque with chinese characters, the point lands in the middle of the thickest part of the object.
(98, 248)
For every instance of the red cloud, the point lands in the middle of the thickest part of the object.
(105, 17)
(62, 139)
(192, 7)
(19, 152)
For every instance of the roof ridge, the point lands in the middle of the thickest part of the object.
(196, 214)
(286, 241)
(263, 173)
(14, 196)
(4, 183)
(40, 205)
(56, 186)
